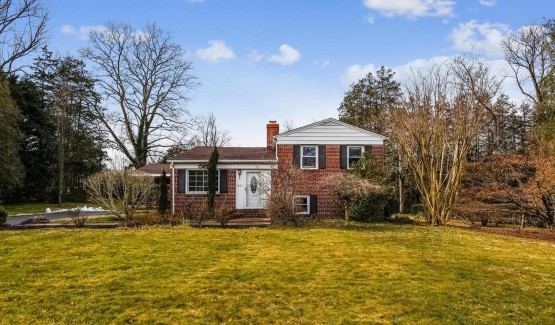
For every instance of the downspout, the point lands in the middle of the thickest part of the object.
(173, 188)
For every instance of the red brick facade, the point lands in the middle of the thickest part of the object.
(183, 200)
(310, 179)
(308, 184)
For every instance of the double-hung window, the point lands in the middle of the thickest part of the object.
(197, 181)
(309, 157)
(302, 204)
(354, 153)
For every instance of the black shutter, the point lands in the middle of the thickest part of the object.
(343, 157)
(223, 180)
(368, 149)
(322, 157)
(297, 155)
(181, 174)
(313, 204)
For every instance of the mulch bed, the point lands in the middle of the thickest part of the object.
(529, 233)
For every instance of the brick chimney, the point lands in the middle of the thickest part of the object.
(272, 129)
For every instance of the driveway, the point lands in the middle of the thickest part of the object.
(16, 220)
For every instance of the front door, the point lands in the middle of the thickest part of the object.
(254, 190)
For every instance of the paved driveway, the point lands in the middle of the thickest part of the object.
(16, 220)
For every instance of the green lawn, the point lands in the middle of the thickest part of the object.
(24, 208)
(378, 273)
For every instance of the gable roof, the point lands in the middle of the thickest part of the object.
(226, 154)
(329, 131)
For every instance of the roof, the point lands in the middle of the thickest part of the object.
(154, 169)
(226, 153)
(330, 131)
(330, 121)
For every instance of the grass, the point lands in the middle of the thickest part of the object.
(24, 208)
(379, 273)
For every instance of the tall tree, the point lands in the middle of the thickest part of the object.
(37, 149)
(145, 77)
(208, 134)
(435, 128)
(368, 100)
(10, 137)
(367, 105)
(70, 97)
(22, 30)
(530, 52)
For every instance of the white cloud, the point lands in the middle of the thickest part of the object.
(487, 3)
(287, 55)
(83, 31)
(484, 37)
(216, 52)
(255, 56)
(412, 8)
(370, 19)
(68, 30)
(356, 72)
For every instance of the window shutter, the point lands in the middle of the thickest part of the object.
(322, 157)
(181, 175)
(313, 204)
(223, 180)
(368, 149)
(297, 155)
(343, 157)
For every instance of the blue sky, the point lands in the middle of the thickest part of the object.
(259, 60)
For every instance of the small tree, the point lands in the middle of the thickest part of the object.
(163, 198)
(280, 206)
(121, 192)
(347, 187)
(371, 206)
(212, 180)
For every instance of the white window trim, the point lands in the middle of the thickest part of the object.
(199, 192)
(362, 151)
(301, 155)
(307, 203)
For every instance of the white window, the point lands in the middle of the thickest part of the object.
(302, 204)
(309, 157)
(354, 153)
(197, 181)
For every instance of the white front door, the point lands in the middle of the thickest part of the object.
(254, 190)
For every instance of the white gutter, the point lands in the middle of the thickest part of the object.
(268, 161)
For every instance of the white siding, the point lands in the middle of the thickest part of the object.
(330, 132)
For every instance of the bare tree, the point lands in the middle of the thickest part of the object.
(22, 30)
(121, 192)
(144, 77)
(435, 128)
(288, 125)
(474, 76)
(208, 134)
(529, 54)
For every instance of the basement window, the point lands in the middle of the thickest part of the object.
(302, 204)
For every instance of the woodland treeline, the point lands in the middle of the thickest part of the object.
(124, 93)
(460, 147)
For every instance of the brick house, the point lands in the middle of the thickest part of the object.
(244, 173)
